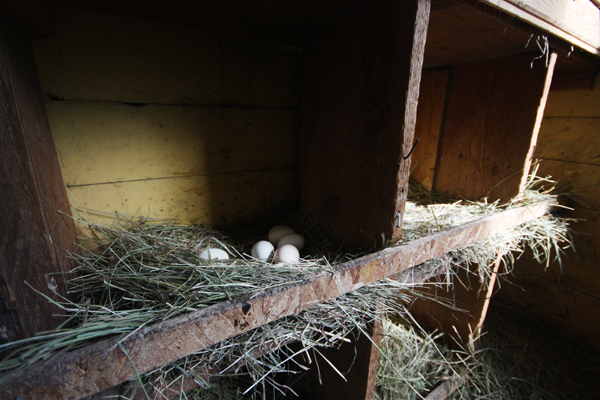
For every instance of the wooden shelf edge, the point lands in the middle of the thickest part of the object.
(103, 365)
(532, 16)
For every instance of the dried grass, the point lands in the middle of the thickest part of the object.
(137, 272)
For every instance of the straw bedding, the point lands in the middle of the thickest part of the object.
(137, 272)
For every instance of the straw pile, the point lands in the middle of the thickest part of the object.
(139, 272)
(519, 357)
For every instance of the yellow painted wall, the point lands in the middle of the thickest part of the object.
(569, 147)
(167, 121)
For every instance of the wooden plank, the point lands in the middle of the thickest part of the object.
(360, 90)
(568, 310)
(574, 81)
(578, 103)
(579, 181)
(198, 199)
(34, 235)
(493, 111)
(480, 36)
(430, 112)
(569, 140)
(586, 235)
(162, 63)
(104, 365)
(111, 142)
(357, 361)
(577, 22)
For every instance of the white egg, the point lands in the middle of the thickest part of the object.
(294, 239)
(279, 231)
(287, 254)
(262, 250)
(214, 254)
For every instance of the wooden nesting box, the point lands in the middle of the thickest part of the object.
(267, 100)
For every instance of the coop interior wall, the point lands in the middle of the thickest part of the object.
(569, 150)
(167, 121)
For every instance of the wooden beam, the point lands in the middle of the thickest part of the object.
(576, 22)
(360, 92)
(36, 231)
(103, 365)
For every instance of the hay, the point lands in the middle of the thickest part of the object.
(519, 357)
(136, 272)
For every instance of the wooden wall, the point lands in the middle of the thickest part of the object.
(168, 121)
(569, 147)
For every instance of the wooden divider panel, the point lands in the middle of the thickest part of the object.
(360, 89)
(34, 235)
(493, 111)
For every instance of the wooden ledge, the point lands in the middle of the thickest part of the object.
(103, 365)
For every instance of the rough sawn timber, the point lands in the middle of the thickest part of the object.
(103, 365)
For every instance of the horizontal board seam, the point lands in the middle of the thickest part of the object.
(561, 285)
(141, 105)
(283, 168)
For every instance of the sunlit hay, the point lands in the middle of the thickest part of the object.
(547, 237)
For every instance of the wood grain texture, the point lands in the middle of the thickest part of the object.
(104, 57)
(492, 111)
(430, 113)
(569, 140)
(113, 142)
(568, 310)
(578, 180)
(36, 232)
(459, 33)
(199, 199)
(103, 365)
(576, 22)
(360, 90)
(357, 361)
(577, 103)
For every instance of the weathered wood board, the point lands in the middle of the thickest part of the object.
(208, 199)
(575, 103)
(35, 235)
(107, 57)
(430, 112)
(577, 22)
(114, 142)
(571, 311)
(493, 112)
(360, 90)
(569, 140)
(104, 365)
(174, 122)
(579, 180)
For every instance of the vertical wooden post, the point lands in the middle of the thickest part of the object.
(360, 89)
(492, 118)
(358, 361)
(36, 231)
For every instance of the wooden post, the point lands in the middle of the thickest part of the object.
(360, 89)
(35, 230)
(357, 361)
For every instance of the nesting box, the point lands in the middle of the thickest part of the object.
(209, 112)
